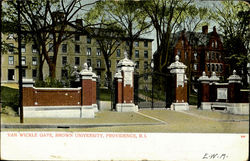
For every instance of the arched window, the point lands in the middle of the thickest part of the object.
(208, 67)
(212, 67)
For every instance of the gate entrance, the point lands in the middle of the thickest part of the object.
(153, 90)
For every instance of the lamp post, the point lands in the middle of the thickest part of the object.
(20, 63)
(152, 94)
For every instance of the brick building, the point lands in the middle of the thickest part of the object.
(76, 51)
(201, 51)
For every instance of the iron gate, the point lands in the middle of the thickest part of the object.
(153, 90)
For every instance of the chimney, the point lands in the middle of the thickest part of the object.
(205, 29)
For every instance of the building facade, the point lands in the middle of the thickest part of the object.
(74, 52)
(201, 51)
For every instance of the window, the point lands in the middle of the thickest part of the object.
(145, 54)
(89, 62)
(186, 55)
(182, 42)
(64, 48)
(64, 60)
(137, 64)
(11, 47)
(23, 60)
(136, 43)
(109, 63)
(88, 39)
(77, 48)
(50, 47)
(212, 67)
(221, 68)
(34, 73)
(212, 56)
(88, 51)
(34, 60)
(24, 73)
(216, 45)
(217, 56)
(51, 58)
(77, 60)
(77, 37)
(145, 65)
(11, 60)
(64, 73)
(208, 67)
(195, 56)
(118, 53)
(195, 67)
(217, 67)
(34, 49)
(98, 52)
(117, 61)
(23, 48)
(11, 74)
(212, 44)
(179, 53)
(207, 55)
(136, 53)
(98, 63)
(145, 43)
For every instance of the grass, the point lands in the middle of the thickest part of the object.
(105, 94)
(193, 100)
(9, 97)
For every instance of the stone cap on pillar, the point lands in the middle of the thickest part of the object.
(234, 78)
(28, 82)
(86, 73)
(125, 62)
(214, 78)
(177, 66)
(204, 78)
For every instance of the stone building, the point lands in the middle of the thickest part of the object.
(77, 50)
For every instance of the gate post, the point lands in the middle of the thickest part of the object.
(125, 86)
(234, 87)
(203, 92)
(87, 109)
(180, 98)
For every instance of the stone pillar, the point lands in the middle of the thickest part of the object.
(87, 110)
(118, 79)
(125, 85)
(213, 89)
(180, 98)
(94, 103)
(28, 92)
(234, 88)
(203, 93)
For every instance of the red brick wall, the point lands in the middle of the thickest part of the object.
(28, 99)
(60, 97)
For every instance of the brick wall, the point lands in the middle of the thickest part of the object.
(51, 96)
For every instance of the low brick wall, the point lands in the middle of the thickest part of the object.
(57, 96)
